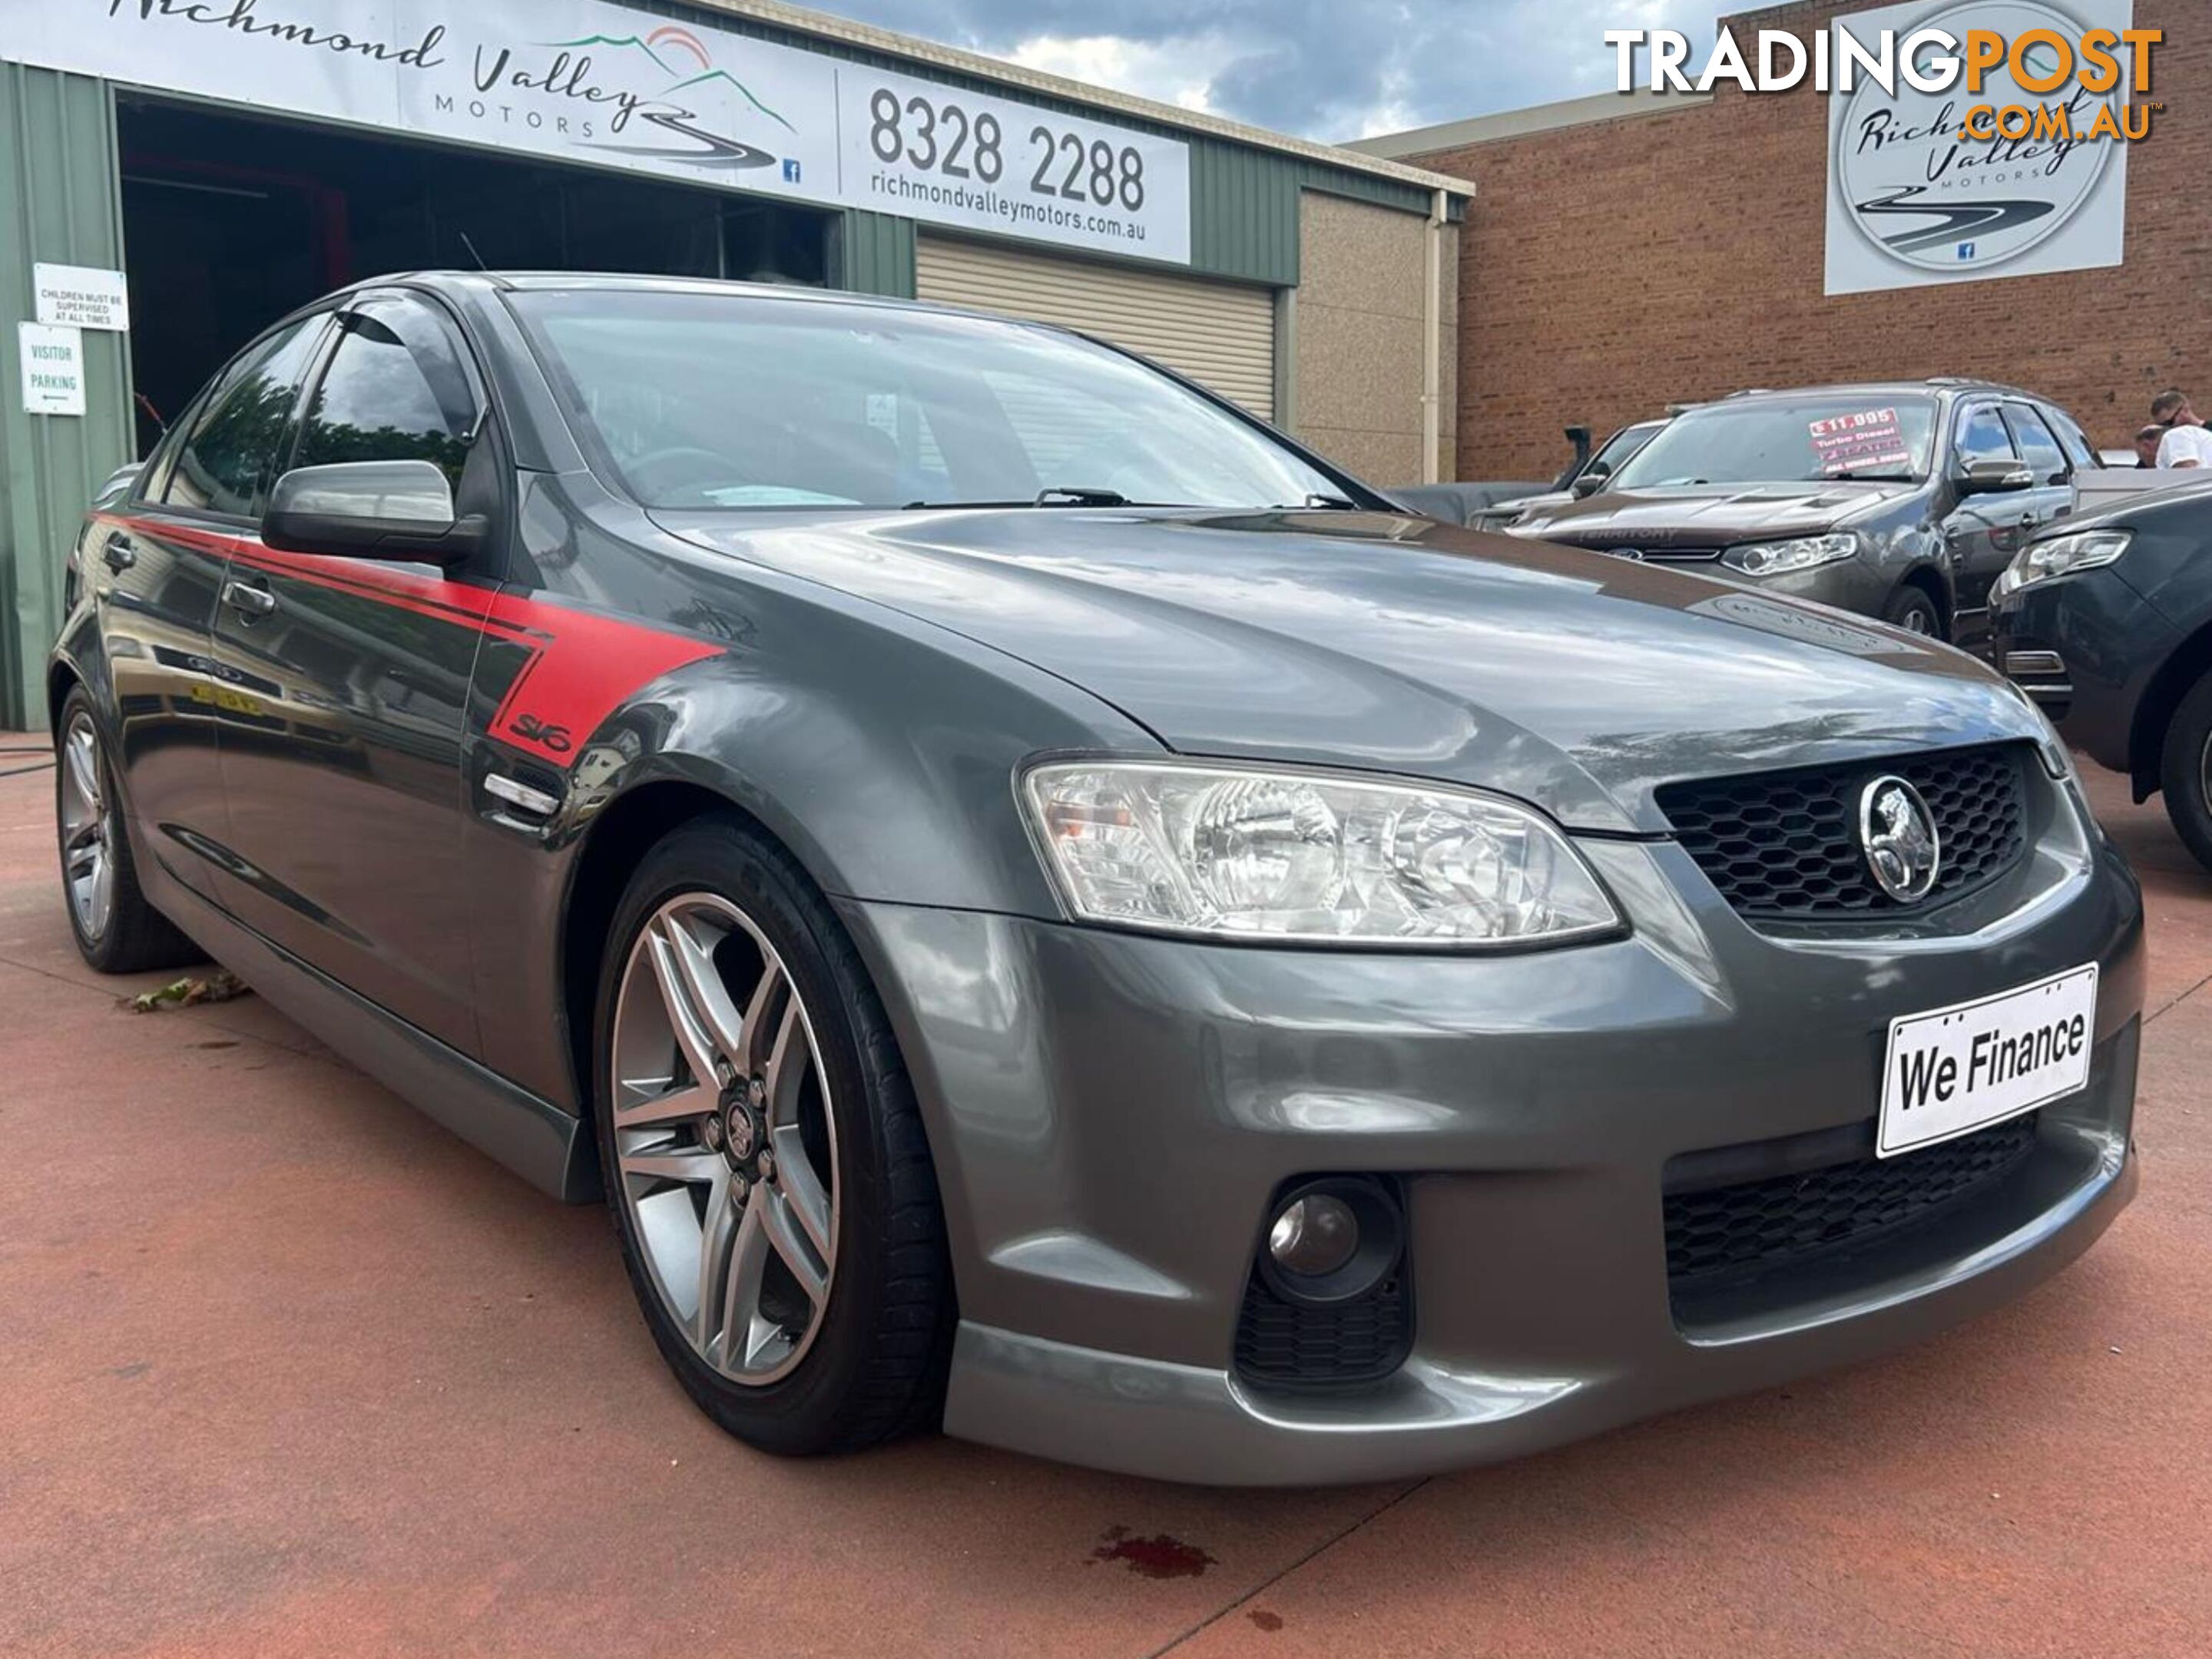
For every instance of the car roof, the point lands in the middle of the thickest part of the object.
(1935, 385)
(511, 281)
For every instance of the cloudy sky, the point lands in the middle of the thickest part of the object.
(1322, 68)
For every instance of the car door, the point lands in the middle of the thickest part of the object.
(1981, 532)
(2053, 495)
(343, 792)
(157, 563)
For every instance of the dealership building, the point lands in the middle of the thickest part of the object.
(174, 177)
(1636, 250)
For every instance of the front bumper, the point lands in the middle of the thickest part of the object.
(2107, 639)
(1110, 1115)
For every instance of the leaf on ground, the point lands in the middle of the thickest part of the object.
(222, 986)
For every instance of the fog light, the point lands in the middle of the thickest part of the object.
(1332, 1240)
(1313, 1236)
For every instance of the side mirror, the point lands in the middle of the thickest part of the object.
(1993, 475)
(400, 510)
(1591, 483)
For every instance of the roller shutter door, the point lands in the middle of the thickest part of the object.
(1220, 334)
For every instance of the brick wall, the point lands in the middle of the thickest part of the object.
(1609, 270)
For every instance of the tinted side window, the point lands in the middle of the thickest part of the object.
(153, 482)
(229, 460)
(1982, 437)
(2037, 446)
(395, 391)
(2075, 441)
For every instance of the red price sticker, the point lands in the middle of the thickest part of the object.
(1863, 441)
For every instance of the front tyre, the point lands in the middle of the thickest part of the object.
(2186, 771)
(1912, 609)
(117, 931)
(763, 1157)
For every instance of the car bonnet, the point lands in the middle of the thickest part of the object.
(1569, 679)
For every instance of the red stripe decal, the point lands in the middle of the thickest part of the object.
(579, 665)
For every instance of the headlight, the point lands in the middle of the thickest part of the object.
(1780, 558)
(1243, 852)
(2061, 555)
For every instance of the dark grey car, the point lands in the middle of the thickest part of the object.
(1046, 908)
(1904, 501)
(2107, 622)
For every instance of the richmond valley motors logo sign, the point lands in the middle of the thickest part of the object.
(1919, 194)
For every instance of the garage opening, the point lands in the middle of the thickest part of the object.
(1220, 334)
(228, 222)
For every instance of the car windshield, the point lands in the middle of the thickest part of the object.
(1786, 440)
(730, 400)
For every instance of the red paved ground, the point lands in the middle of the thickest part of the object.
(286, 1370)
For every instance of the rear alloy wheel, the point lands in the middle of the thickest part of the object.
(1911, 610)
(2186, 771)
(117, 931)
(764, 1159)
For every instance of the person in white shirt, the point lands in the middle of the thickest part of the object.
(2186, 442)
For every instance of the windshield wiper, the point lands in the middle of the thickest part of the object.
(1864, 478)
(1051, 495)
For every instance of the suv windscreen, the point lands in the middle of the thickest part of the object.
(1787, 441)
(723, 400)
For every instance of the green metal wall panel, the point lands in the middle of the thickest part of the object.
(877, 253)
(60, 202)
(1243, 212)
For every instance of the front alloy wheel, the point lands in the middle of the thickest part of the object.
(726, 1138)
(2186, 770)
(763, 1153)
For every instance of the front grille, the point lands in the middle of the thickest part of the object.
(1729, 1237)
(1286, 1345)
(1785, 845)
(1626, 547)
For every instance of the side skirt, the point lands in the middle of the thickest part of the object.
(537, 1140)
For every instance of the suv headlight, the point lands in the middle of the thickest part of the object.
(2061, 555)
(1249, 852)
(1800, 553)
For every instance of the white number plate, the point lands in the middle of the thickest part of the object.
(1956, 1069)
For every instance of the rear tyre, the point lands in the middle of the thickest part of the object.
(1912, 609)
(764, 1160)
(117, 931)
(2186, 771)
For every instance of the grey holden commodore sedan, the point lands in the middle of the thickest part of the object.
(1046, 908)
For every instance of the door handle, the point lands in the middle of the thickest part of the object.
(119, 556)
(248, 600)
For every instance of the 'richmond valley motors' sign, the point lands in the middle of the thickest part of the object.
(579, 81)
(1920, 193)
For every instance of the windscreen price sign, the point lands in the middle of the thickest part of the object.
(930, 151)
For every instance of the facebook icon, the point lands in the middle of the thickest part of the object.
(790, 171)
(1965, 249)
